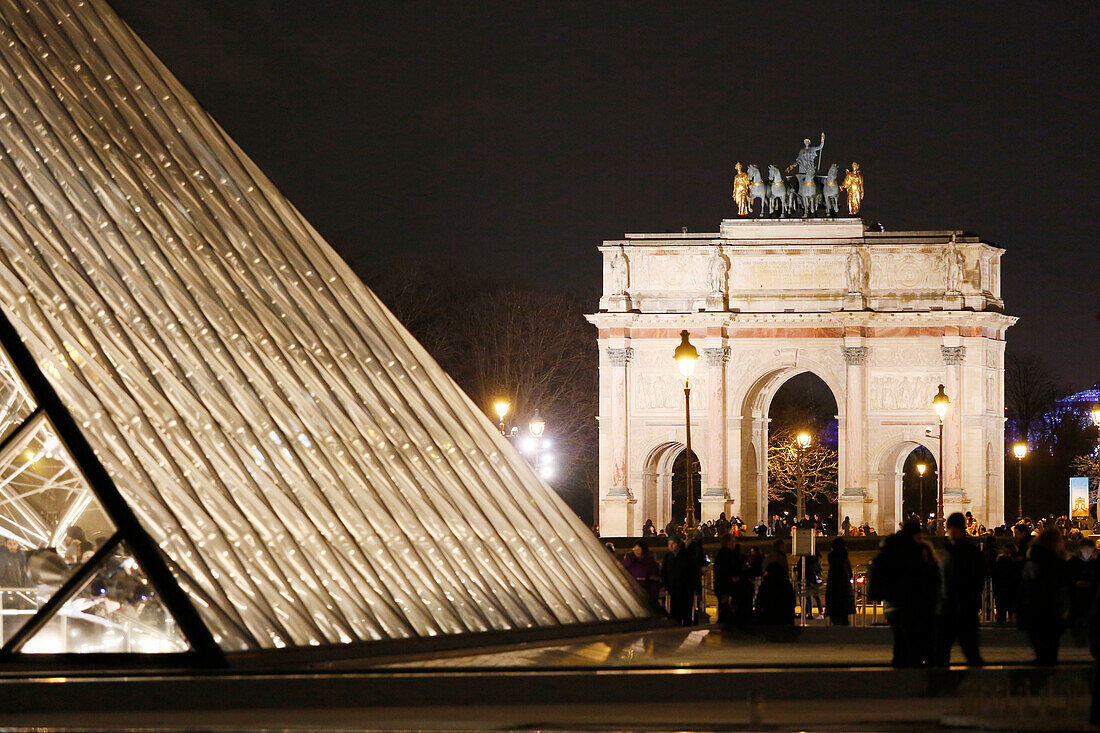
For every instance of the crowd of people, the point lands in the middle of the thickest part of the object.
(931, 600)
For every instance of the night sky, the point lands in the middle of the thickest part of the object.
(512, 139)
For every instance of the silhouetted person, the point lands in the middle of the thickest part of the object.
(1082, 569)
(732, 584)
(775, 597)
(1094, 649)
(839, 601)
(962, 574)
(1006, 581)
(1042, 608)
(680, 575)
(905, 577)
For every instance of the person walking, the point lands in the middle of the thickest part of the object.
(962, 574)
(680, 576)
(1006, 581)
(905, 577)
(775, 598)
(643, 567)
(1043, 603)
(839, 600)
(1082, 568)
(732, 585)
(812, 584)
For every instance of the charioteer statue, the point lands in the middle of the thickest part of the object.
(805, 194)
(806, 161)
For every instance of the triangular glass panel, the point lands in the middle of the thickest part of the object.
(116, 610)
(15, 405)
(50, 522)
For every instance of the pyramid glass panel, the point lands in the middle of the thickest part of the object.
(15, 404)
(50, 520)
(116, 610)
(310, 473)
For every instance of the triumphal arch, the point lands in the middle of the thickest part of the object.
(881, 317)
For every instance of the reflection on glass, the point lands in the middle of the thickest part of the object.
(50, 522)
(15, 405)
(117, 610)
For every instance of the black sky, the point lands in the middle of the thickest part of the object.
(514, 138)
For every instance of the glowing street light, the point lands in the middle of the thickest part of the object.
(536, 427)
(686, 355)
(802, 440)
(940, 403)
(921, 468)
(1019, 450)
(502, 407)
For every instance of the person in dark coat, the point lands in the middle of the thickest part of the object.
(775, 598)
(1042, 606)
(904, 575)
(643, 567)
(680, 576)
(13, 565)
(962, 574)
(1082, 568)
(839, 600)
(732, 584)
(1006, 581)
(1094, 649)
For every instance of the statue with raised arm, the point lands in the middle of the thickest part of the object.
(807, 159)
(741, 191)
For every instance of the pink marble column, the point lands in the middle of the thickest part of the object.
(953, 358)
(855, 479)
(618, 359)
(716, 493)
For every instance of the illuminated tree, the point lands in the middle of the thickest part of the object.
(789, 464)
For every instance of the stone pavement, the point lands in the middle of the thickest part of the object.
(750, 647)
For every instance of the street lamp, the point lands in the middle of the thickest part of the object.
(502, 407)
(535, 427)
(1096, 414)
(921, 468)
(686, 355)
(1019, 450)
(940, 403)
(803, 440)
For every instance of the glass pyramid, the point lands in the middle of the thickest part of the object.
(300, 467)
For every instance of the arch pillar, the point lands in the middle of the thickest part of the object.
(852, 478)
(715, 497)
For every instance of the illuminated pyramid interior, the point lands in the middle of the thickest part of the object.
(269, 459)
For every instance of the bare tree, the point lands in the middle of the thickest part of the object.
(529, 346)
(815, 467)
(1030, 391)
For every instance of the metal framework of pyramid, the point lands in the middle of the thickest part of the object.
(256, 453)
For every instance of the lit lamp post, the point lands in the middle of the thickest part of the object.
(502, 407)
(535, 427)
(940, 403)
(1019, 450)
(921, 468)
(803, 440)
(686, 355)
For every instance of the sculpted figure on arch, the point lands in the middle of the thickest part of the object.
(853, 185)
(741, 191)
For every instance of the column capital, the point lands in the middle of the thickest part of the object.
(717, 357)
(620, 357)
(855, 355)
(953, 355)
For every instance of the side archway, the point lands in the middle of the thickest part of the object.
(889, 475)
(662, 475)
